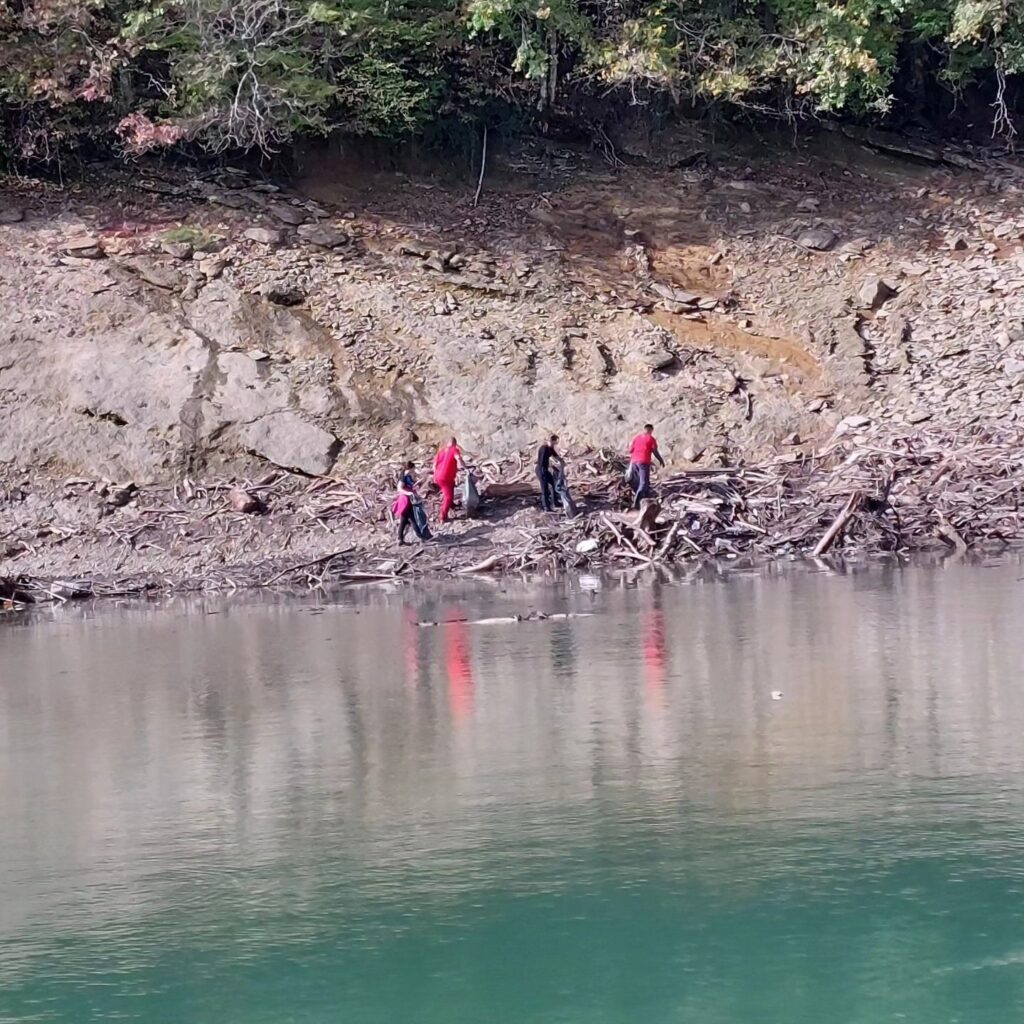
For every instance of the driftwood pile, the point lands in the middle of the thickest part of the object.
(913, 492)
(858, 494)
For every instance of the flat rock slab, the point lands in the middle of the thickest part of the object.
(160, 275)
(666, 291)
(820, 239)
(232, 200)
(179, 250)
(286, 214)
(264, 236)
(323, 235)
(656, 357)
(82, 247)
(289, 441)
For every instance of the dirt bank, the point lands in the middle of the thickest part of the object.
(165, 328)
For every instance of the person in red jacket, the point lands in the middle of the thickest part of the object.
(447, 463)
(641, 449)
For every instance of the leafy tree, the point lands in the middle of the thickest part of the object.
(251, 74)
(254, 74)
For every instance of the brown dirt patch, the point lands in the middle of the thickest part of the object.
(716, 335)
(692, 268)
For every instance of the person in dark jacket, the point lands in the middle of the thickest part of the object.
(405, 504)
(545, 456)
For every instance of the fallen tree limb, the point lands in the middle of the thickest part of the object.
(488, 564)
(948, 532)
(834, 532)
(311, 564)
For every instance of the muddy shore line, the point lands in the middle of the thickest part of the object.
(865, 491)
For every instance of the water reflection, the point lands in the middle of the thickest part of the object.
(457, 663)
(654, 649)
(409, 820)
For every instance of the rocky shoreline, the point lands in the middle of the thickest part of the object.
(864, 492)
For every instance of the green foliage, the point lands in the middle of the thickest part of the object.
(254, 74)
(532, 28)
(197, 237)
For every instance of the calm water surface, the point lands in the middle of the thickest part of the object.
(293, 813)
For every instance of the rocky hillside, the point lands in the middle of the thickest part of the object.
(158, 324)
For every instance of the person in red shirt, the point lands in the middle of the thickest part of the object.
(641, 449)
(447, 463)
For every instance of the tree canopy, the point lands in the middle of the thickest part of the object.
(134, 75)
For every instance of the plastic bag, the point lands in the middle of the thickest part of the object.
(419, 518)
(470, 496)
(562, 493)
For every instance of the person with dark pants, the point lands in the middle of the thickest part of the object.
(545, 455)
(404, 506)
(641, 450)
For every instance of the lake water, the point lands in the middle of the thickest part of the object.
(299, 813)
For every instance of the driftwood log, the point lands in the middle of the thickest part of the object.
(515, 489)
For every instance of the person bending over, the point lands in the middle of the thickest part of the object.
(545, 456)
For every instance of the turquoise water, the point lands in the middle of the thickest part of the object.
(272, 813)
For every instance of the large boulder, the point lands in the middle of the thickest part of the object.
(289, 441)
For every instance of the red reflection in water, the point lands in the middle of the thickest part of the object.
(654, 655)
(457, 654)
